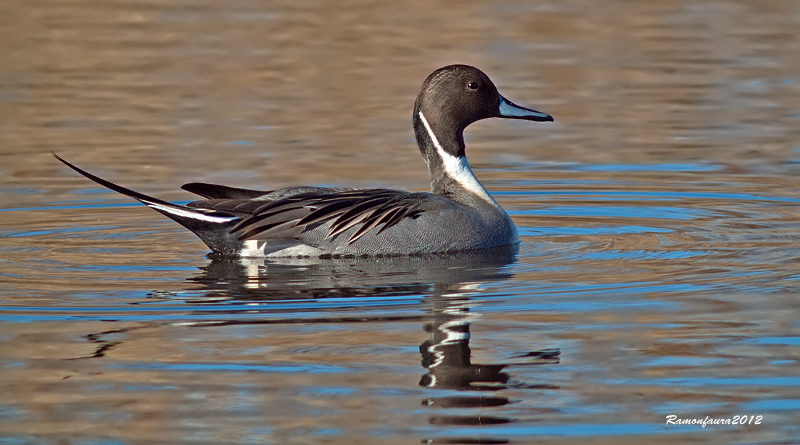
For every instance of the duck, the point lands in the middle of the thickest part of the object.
(458, 214)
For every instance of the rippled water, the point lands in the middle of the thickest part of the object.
(657, 275)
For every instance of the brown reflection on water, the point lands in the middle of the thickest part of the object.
(154, 94)
(166, 91)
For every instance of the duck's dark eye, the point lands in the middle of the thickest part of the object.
(472, 85)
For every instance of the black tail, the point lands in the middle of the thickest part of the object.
(210, 225)
(118, 188)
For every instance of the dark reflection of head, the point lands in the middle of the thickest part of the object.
(447, 354)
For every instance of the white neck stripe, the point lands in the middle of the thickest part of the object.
(457, 167)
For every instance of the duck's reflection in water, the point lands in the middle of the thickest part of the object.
(303, 278)
(447, 356)
(449, 283)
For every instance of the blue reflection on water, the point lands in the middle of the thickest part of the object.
(569, 430)
(328, 391)
(709, 381)
(682, 361)
(655, 212)
(640, 254)
(62, 230)
(771, 405)
(599, 230)
(650, 167)
(572, 166)
(626, 195)
(774, 341)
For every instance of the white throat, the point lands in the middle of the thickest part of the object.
(457, 167)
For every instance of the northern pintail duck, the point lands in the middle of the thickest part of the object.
(458, 214)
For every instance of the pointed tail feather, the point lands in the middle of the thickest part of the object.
(181, 214)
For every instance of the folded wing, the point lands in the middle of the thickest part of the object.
(369, 209)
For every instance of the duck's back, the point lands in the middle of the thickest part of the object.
(323, 221)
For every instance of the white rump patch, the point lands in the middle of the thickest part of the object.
(190, 214)
(457, 167)
(253, 249)
(278, 249)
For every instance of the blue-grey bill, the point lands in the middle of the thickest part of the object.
(513, 111)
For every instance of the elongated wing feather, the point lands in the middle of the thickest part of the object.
(263, 228)
(352, 221)
(369, 208)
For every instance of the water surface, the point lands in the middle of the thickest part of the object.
(657, 275)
